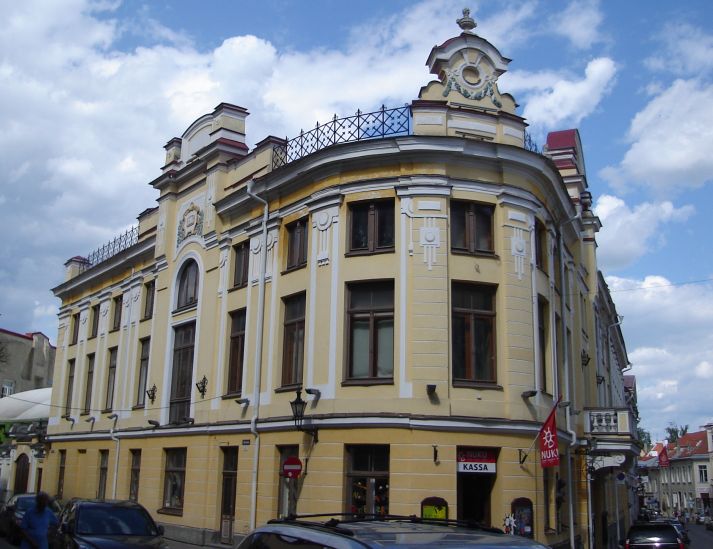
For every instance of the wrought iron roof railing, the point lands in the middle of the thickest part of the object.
(110, 249)
(370, 125)
(530, 144)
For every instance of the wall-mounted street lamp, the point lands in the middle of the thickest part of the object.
(189, 420)
(202, 386)
(600, 379)
(298, 415)
(70, 419)
(585, 357)
(151, 393)
(154, 423)
(528, 394)
(244, 402)
(91, 419)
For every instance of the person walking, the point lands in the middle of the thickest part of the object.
(36, 523)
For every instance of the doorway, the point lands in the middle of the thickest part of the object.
(474, 496)
(22, 473)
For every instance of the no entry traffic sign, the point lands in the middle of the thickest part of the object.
(292, 467)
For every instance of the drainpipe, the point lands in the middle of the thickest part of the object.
(567, 382)
(116, 439)
(258, 351)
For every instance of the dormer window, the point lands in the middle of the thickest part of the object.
(188, 285)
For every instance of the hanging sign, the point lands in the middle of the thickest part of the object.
(477, 460)
(292, 467)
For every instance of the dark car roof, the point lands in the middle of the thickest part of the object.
(104, 502)
(641, 532)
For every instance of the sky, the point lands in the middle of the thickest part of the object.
(90, 91)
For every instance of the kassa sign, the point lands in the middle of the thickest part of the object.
(477, 460)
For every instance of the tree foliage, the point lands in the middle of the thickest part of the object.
(644, 438)
(675, 432)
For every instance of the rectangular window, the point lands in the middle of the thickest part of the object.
(181, 378)
(75, 329)
(8, 388)
(90, 381)
(229, 482)
(116, 319)
(367, 479)
(371, 227)
(237, 351)
(557, 266)
(111, 379)
(543, 321)
(297, 244)
(703, 474)
(149, 292)
(473, 326)
(294, 339)
(287, 491)
(471, 227)
(60, 473)
(560, 355)
(174, 479)
(540, 245)
(103, 470)
(143, 372)
(547, 482)
(370, 320)
(95, 320)
(135, 474)
(70, 388)
(242, 261)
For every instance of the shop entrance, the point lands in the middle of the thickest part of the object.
(474, 496)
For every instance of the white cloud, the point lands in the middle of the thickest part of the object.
(579, 23)
(567, 99)
(627, 234)
(682, 49)
(669, 375)
(670, 142)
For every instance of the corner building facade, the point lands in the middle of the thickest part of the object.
(417, 276)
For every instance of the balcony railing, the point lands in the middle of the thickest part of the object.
(609, 421)
(370, 125)
(110, 249)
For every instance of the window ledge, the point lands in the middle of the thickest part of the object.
(237, 287)
(106, 411)
(294, 268)
(138, 407)
(228, 396)
(368, 381)
(170, 511)
(357, 253)
(193, 306)
(112, 330)
(146, 318)
(289, 388)
(466, 253)
(484, 385)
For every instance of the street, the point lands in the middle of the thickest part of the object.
(700, 537)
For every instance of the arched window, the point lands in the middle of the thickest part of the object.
(188, 285)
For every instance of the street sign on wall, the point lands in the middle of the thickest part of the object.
(477, 460)
(292, 467)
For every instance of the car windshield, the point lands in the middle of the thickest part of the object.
(106, 520)
(652, 532)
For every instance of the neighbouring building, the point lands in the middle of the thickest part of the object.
(26, 362)
(374, 317)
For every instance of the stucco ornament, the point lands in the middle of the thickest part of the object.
(191, 223)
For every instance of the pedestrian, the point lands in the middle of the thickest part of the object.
(36, 523)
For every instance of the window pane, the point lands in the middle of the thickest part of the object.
(484, 229)
(483, 349)
(460, 337)
(385, 224)
(360, 227)
(458, 226)
(385, 347)
(360, 348)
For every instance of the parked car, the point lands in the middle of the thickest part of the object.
(95, 523)
(13, 511)
(708, 522)
(679, 526)
(348, 532)
(653, 535)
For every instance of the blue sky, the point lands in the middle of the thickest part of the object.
(91, 91)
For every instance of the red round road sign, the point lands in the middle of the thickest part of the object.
(292, 467)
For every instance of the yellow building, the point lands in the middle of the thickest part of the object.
(420, 277)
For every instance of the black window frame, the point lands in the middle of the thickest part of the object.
(179, 469)
(75, 329)
(374, 314)
(60, 473)
(134, 474)
(540, 245)
(70, 387)
(241, 256)
(468, 216)
(103, 473)
(149, 298)
(236, 354)
(363, 483)
(88, 386)
(118, 302)
(142, 378)
(297, 242)
(182, 371)
(112, 359)
(96, 311)
(473, 316)
(293, 339)
(188, 285)
(543, 334)
(377, 211)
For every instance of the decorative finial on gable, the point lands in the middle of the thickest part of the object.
(466, 22)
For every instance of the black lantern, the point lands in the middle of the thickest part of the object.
(298, 415)
(202, 386)
(151, 393)
(585, 357)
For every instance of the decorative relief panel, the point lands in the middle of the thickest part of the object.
(255, 245)
(161, 230)
(407, 210)
(322, 221)
(430, 241)
(209, 198)
(518, 248)
(190, 220)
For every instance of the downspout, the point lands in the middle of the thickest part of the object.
(258, 351)
(116, 439)
(567, 382)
